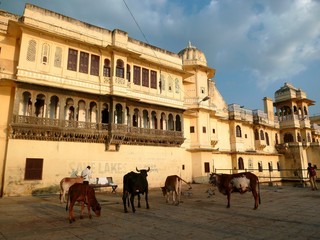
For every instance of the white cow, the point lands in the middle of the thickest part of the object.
(173, 184)
(66, 183)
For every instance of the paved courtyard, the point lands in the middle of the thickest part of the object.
(285, 213)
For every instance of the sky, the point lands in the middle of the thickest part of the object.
(255, 46)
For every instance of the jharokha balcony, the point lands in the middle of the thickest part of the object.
(47, 129)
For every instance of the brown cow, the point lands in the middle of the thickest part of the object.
(84, 194)
(240, 182)
(173, 184)
(66, 183)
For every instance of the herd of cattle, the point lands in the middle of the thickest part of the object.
(136, 184)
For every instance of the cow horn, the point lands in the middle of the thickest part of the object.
(148, 169)
(137, 169)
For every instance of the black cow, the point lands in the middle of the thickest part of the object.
(135, 184)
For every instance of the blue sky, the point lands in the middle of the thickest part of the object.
(254, 45)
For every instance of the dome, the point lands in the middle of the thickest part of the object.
(191, 56)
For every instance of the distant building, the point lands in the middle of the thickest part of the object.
(73, 94)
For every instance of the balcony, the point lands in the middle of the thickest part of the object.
(46, 129)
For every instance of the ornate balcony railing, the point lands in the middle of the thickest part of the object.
(34, 128)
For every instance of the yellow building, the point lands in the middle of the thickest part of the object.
(73, 94)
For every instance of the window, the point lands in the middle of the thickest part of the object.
(128, 72)
(204, 129)
(256, 134)
(270, 166)
(278, 166)
(213, 131)
(192, 129)
(106, 68)
(288, 137)
(84, 62)
(58, 57)
(31, 53)
(238, 131)
(94, 69)
(72, 59)
(178, 123)
(206, 167)
(120, 68)
(162, 83)
(145, 77)
(170, 84)
(276, 137)
(267, 139)
(45, 53)
(260, 167)
(177, 85)
(153, 82)
(240, 163)
(33, 169)
(136, 75)
(261, 135)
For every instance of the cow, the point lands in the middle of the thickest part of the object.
(135, 184)
(173, 184)
(84, 194)
(66, 183)
(240, 182)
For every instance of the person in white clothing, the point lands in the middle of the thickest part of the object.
(86, 174)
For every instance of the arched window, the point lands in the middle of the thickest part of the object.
(40, 106)
(31, 53)
(58, 57)
(305, 110)
(26, 108)
(267, 139)
(178, 123)
(120, 68)
(162, 83)
(260, 167)
(45, 53)
(81, 117)
(163, 122)
(177, 85)
(106, 68)
(105, 114)
(145, 115)
(240, 163)
(54, 107)
(69, 115)
(135, 118)
(170, 84)
(308, 137)
(298, 137)
(93, 112)
(170, 122)
(261, 135)
(256, 134)
(238, 131)
(276, 137)
(118, 114)
(288, 138)
(128, 72)
(154, 120)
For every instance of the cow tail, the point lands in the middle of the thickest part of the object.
(259, 191)
(186, 183)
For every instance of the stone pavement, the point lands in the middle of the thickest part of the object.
(285, 212)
